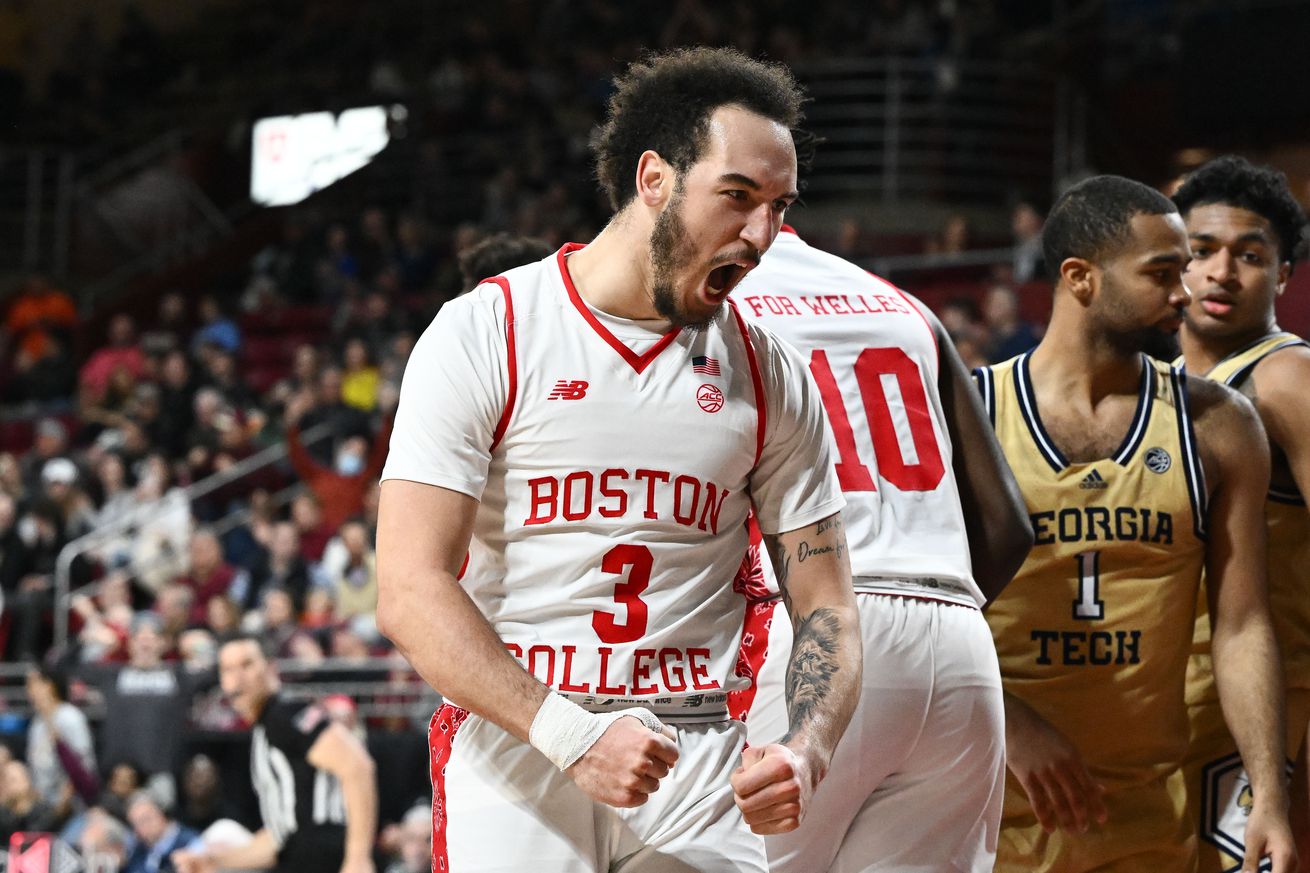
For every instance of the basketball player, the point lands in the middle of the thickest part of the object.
(1136, 477)
(916, 780)
(586, 435)
(315, 781)
(1245, 230)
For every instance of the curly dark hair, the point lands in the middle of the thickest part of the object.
(664, 102)
(1235, 181)
(1094, 216)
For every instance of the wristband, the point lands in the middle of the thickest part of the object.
(564, 731)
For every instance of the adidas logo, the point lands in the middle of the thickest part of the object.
(1093, 480)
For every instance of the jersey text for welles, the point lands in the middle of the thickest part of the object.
(824, 304)
(1094, 524)
(656, 494)
(652, 671)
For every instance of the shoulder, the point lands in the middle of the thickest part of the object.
(1283, 374)
(1226, 423)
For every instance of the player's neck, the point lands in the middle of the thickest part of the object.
(613, 272)
(1070, 363)
(1201, 353)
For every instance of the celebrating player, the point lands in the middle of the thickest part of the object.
(916, 781)
(1136, 477)
(578, 445)
(1246, 232)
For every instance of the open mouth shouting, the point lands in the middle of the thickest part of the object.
(724, 277)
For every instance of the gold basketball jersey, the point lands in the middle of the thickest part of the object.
(1094, 632)
(1288, 525)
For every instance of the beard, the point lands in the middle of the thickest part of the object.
(1157, 343)
(670, 250)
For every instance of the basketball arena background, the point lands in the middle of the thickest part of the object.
(224, 222)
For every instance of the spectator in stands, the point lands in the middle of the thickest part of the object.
(157, 836)
(59, 485)
(320, 610)
(350, 571)
(108, 408)
(197, 647)
(303, 377)
(103, 842)
(42, 532)
(359, 376)
(147, 698)
(125, 779)
(21, 807)
(176, 413)
(121, 353)
(954, 237)
(1009, 334)
(202, 801)
(50, 379)
(222, 618)
(1026, 224)
(174, 605)
(278, 620)
(281, 567)
(12, 550)
(375, 248)
(307, 516)
(59, 745)
(209, 575)
(51, 441)
(116, 498)
(340, 486)
(496, 254)
(106, 621)
(326, 406)
(221, 373)
(337, 272)
(170, 329)
(216, 329)
(414, 258)
(40, 311)
(412, 841)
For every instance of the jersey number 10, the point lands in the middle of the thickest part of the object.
(882, 417)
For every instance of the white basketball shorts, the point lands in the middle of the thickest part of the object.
(916, 782)
(498, 806)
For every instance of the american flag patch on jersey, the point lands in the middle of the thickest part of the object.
(706, 365)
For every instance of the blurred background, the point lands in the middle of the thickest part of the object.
(224, 222)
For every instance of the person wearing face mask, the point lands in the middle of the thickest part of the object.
(340, 488)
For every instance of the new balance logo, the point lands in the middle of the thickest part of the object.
(1093, 480)
(566, 390)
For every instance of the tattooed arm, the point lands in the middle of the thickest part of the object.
(775, 782)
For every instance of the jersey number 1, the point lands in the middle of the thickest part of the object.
(871, 367)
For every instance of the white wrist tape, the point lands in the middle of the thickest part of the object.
(564, 731)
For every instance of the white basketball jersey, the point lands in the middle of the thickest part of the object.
(874, 357)
(616, 466)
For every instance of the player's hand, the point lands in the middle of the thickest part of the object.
(187, 861)
(1269, 835)
(625, 766)
(1062, 793)
(362, 864)
(773, 787)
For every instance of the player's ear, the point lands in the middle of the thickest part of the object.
(1079, 276)
(1284, 273)
(655, 179)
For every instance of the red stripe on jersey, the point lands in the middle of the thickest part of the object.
(441, 737)
(761, 411)
(511, 362)
(636, 361)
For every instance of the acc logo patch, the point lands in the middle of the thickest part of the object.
(710, 398)
(1158, 460)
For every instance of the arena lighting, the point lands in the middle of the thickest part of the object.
(295, 155)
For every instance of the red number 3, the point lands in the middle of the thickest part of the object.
(626, 594)
(872, 364)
